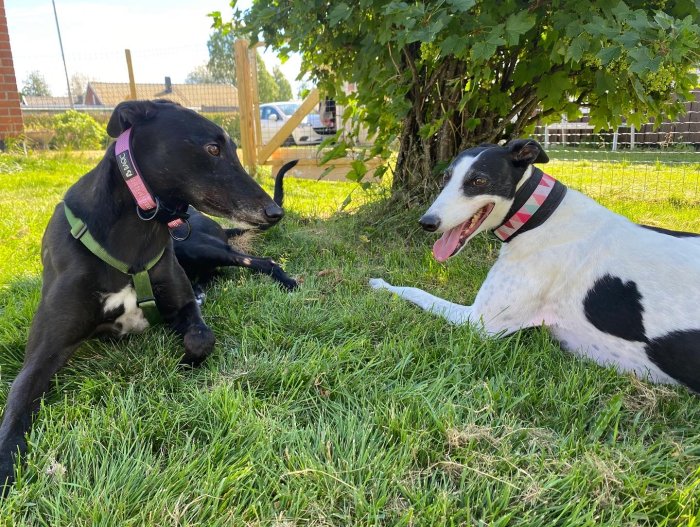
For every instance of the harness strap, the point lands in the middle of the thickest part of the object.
(145, 299)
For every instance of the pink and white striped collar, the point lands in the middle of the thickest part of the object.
(148, 206)
(534, 202)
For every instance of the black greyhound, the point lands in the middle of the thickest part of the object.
(207, 247)
(185, 159)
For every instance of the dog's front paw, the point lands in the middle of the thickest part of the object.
(199, 343)
(378, 283)
(290, 284)
(7, 475)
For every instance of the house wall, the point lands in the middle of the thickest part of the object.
(90, 97)
(10, 114)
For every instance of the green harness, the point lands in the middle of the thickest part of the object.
(142, 283)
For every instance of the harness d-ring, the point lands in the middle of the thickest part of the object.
(139, 212)
(177, 238)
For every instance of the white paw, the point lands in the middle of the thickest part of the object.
(378, 283)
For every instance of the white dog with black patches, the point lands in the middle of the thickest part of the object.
(617, 292)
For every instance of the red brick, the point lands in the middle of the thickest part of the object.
(11, 122)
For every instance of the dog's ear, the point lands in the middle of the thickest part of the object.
(526, 152)
(128, 113)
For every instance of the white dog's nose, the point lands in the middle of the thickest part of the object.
(429, 222)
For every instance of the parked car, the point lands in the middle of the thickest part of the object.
(273, 115)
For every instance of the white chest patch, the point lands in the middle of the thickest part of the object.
(132, 320)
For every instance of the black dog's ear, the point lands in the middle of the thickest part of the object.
(527, 152)
(128, 113)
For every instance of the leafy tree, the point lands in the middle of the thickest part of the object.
(78, 85)
(283, 86)
(267, 87)
(201, 75)
(222, 68)
(221, 65)
(441, 75)
(35, 84)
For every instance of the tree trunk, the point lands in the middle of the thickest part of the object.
(436, 95)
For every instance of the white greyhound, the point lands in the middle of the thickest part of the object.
(620, 293)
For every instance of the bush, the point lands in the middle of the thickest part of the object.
(78, 131)
(231, 122)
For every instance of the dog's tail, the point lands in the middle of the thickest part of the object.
(278, 195)
(279, 181)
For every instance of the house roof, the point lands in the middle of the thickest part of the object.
(189, 95)
(45, 101)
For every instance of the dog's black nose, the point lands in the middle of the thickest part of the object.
(429, 223)
(274, 212)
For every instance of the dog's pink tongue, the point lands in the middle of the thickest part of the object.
(446, 245)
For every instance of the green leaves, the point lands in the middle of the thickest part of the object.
(485, 49)
(517, 25)
(462, 5)
(608, 54)
(339, 13)
(443, 73)
(552, 89)
(453, 45)
(577, 48)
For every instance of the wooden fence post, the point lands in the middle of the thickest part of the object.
(245, 103)
(132, 82)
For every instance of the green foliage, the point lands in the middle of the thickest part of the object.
(441, 75)
(268, 90)
(222, 68)
(231, 122)
(284, 92)
(336, 404)
(201, 75)
(78, 87)
(78, 131)
(35, 84)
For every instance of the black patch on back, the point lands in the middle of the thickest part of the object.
(678, 355)
(616, 308)
(676, 234)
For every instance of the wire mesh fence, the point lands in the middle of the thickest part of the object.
(653, 163)
(626, 164)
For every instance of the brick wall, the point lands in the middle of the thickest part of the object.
(10, 113)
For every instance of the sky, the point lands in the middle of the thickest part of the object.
(166, 38)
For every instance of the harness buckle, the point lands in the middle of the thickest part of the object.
(147, 302)
(79, 230)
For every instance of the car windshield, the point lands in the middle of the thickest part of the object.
(288, 108)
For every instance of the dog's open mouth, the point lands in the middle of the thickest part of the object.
(453, 240)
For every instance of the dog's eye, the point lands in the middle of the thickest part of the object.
(478, 181)
(213, 150)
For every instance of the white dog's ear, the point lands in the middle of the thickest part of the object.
(526, 152)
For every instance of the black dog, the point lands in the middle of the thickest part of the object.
(207, 247)
(185, 159)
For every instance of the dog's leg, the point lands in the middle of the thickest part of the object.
(454, 313)
(219, 256)
(179, 308)
(57, 329)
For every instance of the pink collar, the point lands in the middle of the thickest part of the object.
(147, 205)
(534, 202)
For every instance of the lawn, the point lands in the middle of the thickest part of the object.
(336, 404)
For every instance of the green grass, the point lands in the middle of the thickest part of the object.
(335, 404)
